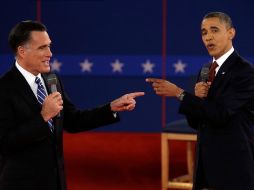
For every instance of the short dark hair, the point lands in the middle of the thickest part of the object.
(222, 16)
(20, 34)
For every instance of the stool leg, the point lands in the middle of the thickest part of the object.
(190, 160)
(164, 161)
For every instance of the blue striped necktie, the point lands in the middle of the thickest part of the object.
(41, 95)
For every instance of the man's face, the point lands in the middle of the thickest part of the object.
(217, 36)
(36, 53)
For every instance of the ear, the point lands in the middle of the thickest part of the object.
(21, 51)
(231, 33)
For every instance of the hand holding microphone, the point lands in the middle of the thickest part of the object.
(53, 103)
(202, 87)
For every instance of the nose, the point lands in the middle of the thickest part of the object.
(209, 36)
(49, 52)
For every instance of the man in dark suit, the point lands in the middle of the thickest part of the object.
(222, 110)
(32, 118)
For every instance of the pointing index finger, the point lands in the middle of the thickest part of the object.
(136, 94)
(152, 80)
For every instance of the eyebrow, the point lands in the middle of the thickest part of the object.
(211, 27)
(214, 27)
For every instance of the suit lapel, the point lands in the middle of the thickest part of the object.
(20, 86)
(223, 73)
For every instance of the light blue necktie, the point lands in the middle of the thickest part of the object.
(41, 95)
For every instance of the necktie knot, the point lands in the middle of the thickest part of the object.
(214, 65)
(38, 81)
(212, 71)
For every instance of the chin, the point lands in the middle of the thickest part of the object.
(212, 54)
(45, 70)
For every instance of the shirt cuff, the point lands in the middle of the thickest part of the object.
(115, 114)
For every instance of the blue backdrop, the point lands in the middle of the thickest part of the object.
(105, 48)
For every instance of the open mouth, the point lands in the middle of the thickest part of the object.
(210, 46)
(46, 62)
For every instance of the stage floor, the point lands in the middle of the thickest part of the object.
(118, 161)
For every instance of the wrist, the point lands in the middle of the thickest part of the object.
(111, 106)
(45, 118)
(180, 94)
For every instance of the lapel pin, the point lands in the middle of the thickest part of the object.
(223, 73)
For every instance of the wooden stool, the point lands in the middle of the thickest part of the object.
(178, 130)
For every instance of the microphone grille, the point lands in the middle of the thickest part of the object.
(52, 80)
(204, 74)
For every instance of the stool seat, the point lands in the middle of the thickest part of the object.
(179, 126)
(177, 130)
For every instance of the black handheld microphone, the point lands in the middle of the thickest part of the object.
(204, 74)
(52, 82)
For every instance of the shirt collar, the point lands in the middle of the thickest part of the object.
(223, 58)
(30, 78)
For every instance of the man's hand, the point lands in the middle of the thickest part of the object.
(126, 102)
(51, 106)
(164, 88)
(201, 89)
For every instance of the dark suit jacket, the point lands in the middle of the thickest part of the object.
(225, 123)
(31, 157)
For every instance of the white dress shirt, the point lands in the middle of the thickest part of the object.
(30, 78)
(222, 59)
